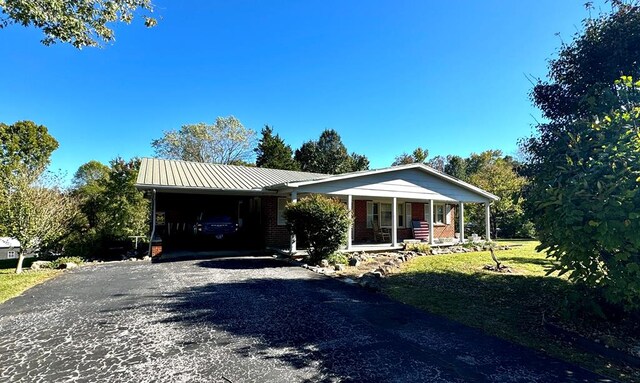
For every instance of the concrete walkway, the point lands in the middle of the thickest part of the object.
(243, 320)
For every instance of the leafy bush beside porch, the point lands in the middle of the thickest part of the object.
(322, 220)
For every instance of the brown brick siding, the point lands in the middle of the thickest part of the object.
(156, 250)
(274, 234)
(362, 234)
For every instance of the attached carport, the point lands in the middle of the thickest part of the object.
(179, 214)
(185, 194)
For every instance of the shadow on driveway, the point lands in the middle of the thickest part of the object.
(330, 331)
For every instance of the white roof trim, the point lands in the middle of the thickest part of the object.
(423, 167)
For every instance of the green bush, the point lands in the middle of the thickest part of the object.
(57, 262)
(336, 258)
(587, 203)
(322, 220)
(419, 247)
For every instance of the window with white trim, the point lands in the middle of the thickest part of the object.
(282, 202)
(12, 254)
(401, 214)
(386, 215)
(382, 213)
(373, 214)
(439, 216)
(407, 214)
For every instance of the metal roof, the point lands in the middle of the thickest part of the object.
(158, 173)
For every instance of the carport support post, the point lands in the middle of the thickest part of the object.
(487, 221)
(153, 221)
(431, 241)
(394, 223)
(461, 221)
(349, 232)
(293, 249)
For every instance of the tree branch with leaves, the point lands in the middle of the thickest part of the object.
(80, 23)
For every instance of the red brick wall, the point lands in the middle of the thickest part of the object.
(274, 234)
(362, 234)
(156, 250)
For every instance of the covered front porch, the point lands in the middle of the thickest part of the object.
(383, 224)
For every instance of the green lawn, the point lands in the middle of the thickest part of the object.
(510, 306)
(12, 285)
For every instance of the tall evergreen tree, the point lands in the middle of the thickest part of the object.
(273, 153)
(329, 155)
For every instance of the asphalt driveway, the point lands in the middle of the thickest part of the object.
(243, 320)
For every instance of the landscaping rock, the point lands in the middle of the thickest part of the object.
(339, 267)
(324, 263)
(370, 281)
(37, 265)
(355, 262)
(68, 266)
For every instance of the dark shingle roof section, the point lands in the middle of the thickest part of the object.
(156, 172)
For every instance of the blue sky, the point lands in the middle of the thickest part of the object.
(389, 76)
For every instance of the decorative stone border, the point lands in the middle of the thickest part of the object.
(372, 278)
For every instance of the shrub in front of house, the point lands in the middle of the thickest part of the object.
(322, 220)
(418, 247)
(56, 264)
(338, 258)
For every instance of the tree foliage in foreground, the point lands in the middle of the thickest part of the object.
(583, 194)
(581, 78)
(322, 220)
(587, 202)
(80, 23)
(226, 141)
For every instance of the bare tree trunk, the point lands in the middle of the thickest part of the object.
(20, 260)
(495, 259)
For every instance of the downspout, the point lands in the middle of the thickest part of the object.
(153, 219)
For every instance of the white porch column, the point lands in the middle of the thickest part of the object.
(394, 222)
(293, 249)
(487, 221)
(349, 233)
(431, 241)
(461, 220)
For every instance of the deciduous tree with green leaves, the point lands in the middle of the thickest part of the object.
(226, 141)
(584, 171)
(80, 23)
(495, 173)
(112, 208)
(586, 202)
(37, 211)
(25, 146)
